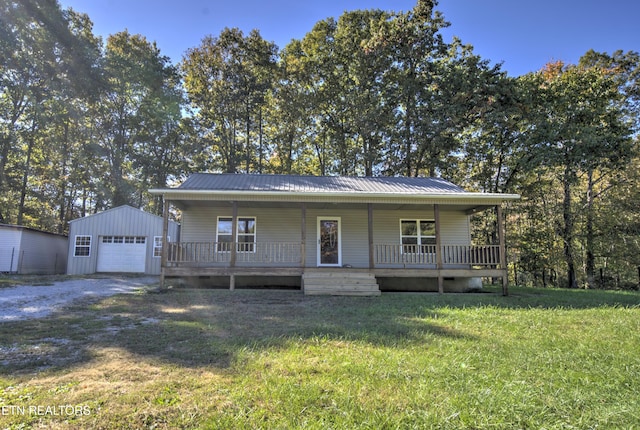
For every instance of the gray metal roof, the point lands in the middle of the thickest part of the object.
(319, 184)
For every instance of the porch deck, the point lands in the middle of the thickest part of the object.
(286, 259)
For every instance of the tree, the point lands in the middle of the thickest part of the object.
(42, 50)
(136, 117)
(342, 77)
(584, 132)
(227, 79)
(417, 54)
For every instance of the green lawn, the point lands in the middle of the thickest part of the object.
(554, 359)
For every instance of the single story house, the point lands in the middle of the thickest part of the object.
(331, 235)
(25, 251)
(119, 240)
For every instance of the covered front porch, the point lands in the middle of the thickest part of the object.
(325, 248)
(335, 234)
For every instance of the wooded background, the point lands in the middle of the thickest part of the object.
(87, 124)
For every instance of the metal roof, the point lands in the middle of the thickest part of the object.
(319, 184)
(201, 188)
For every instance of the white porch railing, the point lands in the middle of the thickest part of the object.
(203, 253)
(290, 253)
(405, 254)
(474, 255)
(415, 255)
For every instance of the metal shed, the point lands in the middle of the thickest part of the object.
(118, 240)
(25, 250)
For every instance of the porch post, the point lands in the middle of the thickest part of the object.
(503, 250)
(165, 234)
(303, 236)
(436, 215)
(370, 224)
(234, 244)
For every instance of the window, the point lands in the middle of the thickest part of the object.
(418, 236)
(82, 246)
(157, 245)
(124, 239)
(245, 235)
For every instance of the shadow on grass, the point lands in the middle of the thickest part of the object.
(196, 328)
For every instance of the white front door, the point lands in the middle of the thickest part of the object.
(329, 242)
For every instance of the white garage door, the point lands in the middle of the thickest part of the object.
(122, 254)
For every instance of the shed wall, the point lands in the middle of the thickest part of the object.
(27, 251)
(9, 249)
(43, 253)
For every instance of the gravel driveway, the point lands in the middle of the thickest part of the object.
(26, 301)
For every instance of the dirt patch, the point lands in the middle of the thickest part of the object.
(37, 301)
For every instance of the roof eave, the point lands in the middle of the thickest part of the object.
(181, 194)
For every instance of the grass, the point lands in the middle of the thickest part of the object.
(554, 359)
(7, 281)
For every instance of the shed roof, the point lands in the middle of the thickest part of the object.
(34, 230)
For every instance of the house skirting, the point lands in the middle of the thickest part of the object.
(440, 280)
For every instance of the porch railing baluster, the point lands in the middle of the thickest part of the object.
(265, 253)
(452, 255)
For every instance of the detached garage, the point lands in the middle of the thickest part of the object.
(119, 240)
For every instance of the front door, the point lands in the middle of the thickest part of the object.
(329, 241)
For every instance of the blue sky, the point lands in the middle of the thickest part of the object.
(523, 35)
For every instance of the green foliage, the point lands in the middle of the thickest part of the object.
(227, 80)
(87, 124)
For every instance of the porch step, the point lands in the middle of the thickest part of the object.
(340, 282)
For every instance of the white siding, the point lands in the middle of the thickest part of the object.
(454, 225)
(272, 224)
(9, 248)
(284, 225)
(355, 239)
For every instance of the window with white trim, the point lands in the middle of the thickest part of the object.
(418, 236)
(157, 245)
(82, 246)
(245, 234)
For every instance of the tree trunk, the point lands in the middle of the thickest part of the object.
(590, 255)
(248, 142)
(62, 187)
(25, 173)
(4, 155)
(290, 153)
(567, 231)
